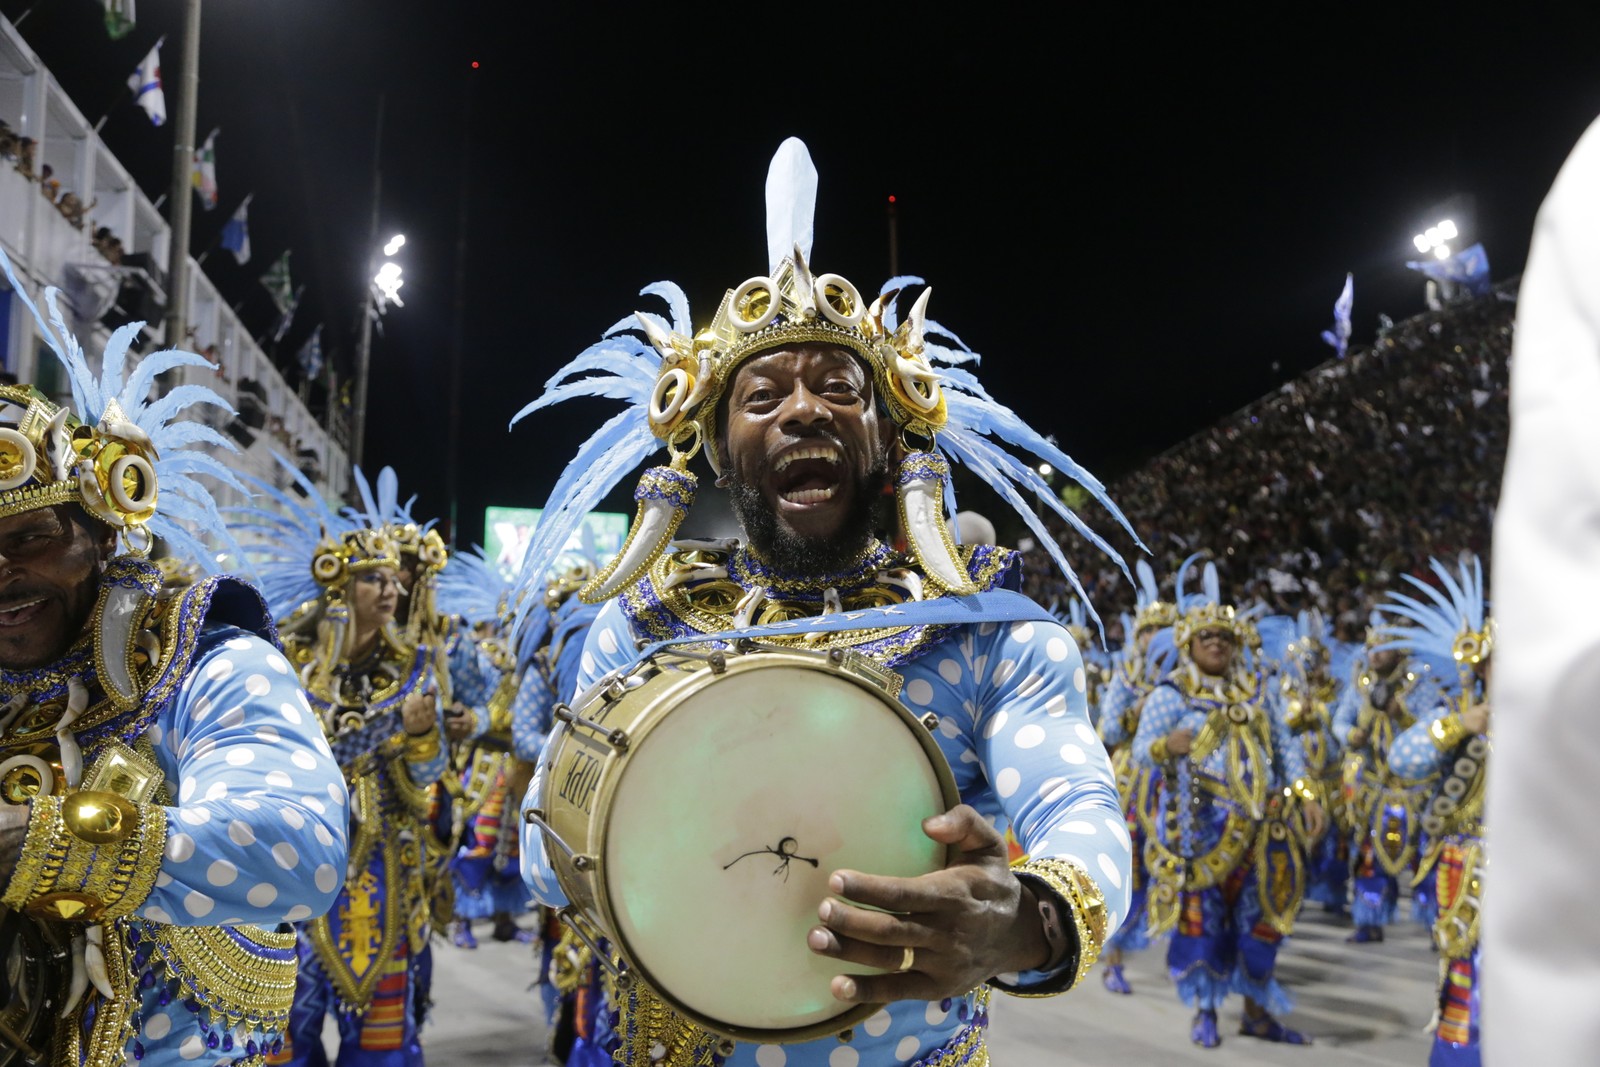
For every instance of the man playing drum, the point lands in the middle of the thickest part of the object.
(811, 403)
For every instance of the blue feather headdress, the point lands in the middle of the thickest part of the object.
(671, 377)
(287, 536)
(472, 588)
(127, 460)
(1445, 627)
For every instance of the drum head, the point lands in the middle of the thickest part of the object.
(727, 824)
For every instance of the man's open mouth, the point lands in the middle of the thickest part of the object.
(21, 611)
(808, 475)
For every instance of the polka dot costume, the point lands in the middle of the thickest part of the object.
(1015, 729)
(256, 826)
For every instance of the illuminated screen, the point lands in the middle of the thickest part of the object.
(507, 531)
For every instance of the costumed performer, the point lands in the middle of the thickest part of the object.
(1237, 818)
(487, 866)
(1382, 811)
(1144, 660)
(167, 803)
(336, 585)
(810, 401)
(1449, 747)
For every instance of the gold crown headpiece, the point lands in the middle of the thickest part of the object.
(1472, 647)
(427, 546)
(1212, 616)
(788, 307)
(337, 559)
(1157, 615)
(49, 457)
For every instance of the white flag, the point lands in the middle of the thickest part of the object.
(145, 81)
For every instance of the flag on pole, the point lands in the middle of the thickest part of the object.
(1339, 336)
(310, 356)
(119, 18)
(236, 232)
(1468, 267)
(278, 285)
(145, 81)
(287, 318)
(204, 173)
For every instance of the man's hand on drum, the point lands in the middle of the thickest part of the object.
(956, 928)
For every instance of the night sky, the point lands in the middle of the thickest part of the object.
(1140, 223)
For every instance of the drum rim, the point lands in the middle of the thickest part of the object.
(675, 692)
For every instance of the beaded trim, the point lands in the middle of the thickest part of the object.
(708, 600)
(1087, 906)
(238, 974)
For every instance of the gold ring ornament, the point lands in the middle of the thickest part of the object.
(907, 960)
(18, 459)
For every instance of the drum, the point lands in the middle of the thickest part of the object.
(35, 965)
(694, 808)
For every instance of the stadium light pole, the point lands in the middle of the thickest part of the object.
(180, 198)
(358, 413)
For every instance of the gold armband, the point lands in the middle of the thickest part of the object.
(88, 856)
(1158, 750)
(420, 748)
(1087, 907)
(1447, 732)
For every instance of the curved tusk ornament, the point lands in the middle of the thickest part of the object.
(921, 491)
(94, 961)
(79, 982)
(665, 495)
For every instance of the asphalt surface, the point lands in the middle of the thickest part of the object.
(1363, 1004)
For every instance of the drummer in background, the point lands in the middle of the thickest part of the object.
(808, 404)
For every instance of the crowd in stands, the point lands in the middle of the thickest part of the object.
(21, 152)
(1323, 493)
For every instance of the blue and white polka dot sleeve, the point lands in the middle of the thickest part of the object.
(257, 833)
(1347, 713)
(1164, 711)
(530, 712)
(1034, 740)
(607, 646)
(1114, 702)
(1413, 754)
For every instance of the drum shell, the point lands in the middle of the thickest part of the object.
(583, 769)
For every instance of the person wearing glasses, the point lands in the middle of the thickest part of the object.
(1236, 816)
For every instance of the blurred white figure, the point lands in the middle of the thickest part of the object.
(1541, 940)
(973, 529)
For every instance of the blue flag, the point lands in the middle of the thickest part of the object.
(236, 233)
(1339, 336)
(310, 356)
(1468, 267)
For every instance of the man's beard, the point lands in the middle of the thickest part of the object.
(791, 554)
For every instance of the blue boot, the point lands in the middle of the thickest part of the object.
(1269, 1029)
(1203, 1031)
(1115, 980)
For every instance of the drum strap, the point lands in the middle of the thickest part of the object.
(993, 605)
